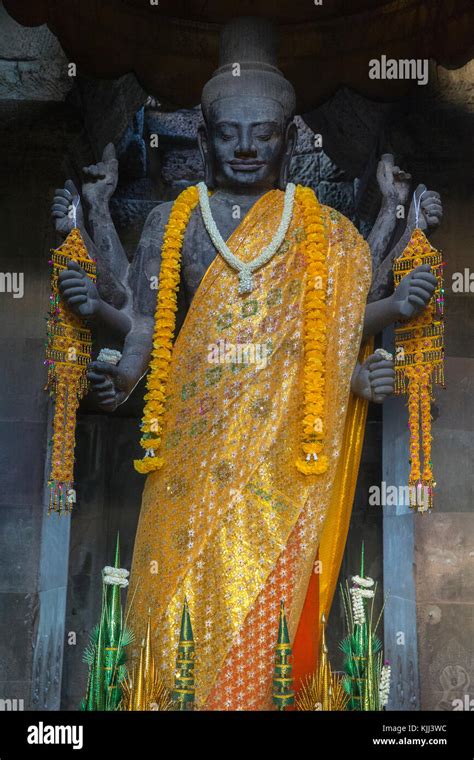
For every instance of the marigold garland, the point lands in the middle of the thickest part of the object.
(420, 364)
(68, 353)
(165, 322)
(313, 461)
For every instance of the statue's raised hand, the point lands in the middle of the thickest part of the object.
(393, 182)
(66, 200)
(100, 180)
(414, 292)
(426, 209)
(374, 380)
(79, 291)
(111, 384)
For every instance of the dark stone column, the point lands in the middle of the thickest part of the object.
(33, 548)
(400, 618)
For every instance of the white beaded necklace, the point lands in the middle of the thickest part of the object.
(246, 269)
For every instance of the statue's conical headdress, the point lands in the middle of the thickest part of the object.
(247, 66)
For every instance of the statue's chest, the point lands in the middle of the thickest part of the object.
(198, 250)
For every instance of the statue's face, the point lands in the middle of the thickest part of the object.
(245, 143)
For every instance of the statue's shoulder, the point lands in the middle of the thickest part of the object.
(338, 222)
(344, 238)
(159, 215)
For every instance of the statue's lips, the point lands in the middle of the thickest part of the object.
(246, 166)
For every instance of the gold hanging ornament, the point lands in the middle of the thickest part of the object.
(68, 353)
(419, 364)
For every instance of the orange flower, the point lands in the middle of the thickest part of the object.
(165, 323)
(313, 461)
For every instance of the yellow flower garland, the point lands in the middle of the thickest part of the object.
(420, 364)
(68, 353)
(165, 322)
(312, 461)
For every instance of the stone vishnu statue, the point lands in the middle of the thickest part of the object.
(228, 520)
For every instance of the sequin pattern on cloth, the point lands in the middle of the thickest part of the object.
(229, 523)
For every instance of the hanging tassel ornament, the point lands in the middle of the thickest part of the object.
(420, 364)
(68, 353)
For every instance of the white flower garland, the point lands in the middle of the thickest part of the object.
(246, 269)
(365, 582)
(115, 576)
(384, 685)
(359, 592)
(109, 355)
(358, 609)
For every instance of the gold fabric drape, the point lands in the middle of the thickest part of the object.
(229, 522)
(336, 527)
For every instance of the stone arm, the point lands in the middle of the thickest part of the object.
(374, 380)
(67, 212)
(429, 219)
(415, 291)
(114, 384)
(100, 181)
(394, 185)
(81, 294)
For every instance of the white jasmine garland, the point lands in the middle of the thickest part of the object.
(120, 572)
(358, 609)
(112, 580)
(384, 685)
(384, 354)
(246, 269)
(115, 576)
(366, 582)
(109, 355)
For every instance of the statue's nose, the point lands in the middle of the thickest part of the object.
(245, 147)
(245, 151)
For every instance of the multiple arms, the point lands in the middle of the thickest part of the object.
(113, 385)
(415, 291)
(374, 380)
(128, 309)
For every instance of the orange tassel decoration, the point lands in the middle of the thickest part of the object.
(67, 355)
(419, 365)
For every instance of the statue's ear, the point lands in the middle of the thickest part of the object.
(291, 137)
(203, 143)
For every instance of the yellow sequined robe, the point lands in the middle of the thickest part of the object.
(229, 522)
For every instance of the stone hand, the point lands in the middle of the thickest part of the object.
(430, 211)
(100, 180)
(62, 209)
(374, 380)
(414, 292)
(79, 291)
(111, 385)
(393, 182)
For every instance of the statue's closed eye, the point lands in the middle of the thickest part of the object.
(226, 134)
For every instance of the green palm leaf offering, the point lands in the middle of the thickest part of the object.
(367, 678)
(106, 652)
